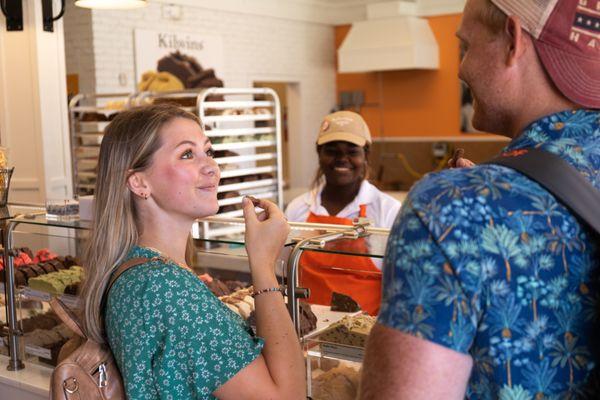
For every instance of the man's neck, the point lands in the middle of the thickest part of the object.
(525, 119)
(547, 100)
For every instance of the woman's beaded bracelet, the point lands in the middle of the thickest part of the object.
(268, 290)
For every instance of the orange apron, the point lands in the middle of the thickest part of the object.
(359, 279)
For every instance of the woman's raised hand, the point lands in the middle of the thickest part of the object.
(266, 232)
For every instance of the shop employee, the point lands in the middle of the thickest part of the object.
(340, 195)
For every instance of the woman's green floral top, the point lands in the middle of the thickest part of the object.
(486, 262)
(171, 337)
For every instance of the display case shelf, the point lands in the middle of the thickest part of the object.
(30, 294)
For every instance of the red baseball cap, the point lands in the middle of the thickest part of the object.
(567, 39)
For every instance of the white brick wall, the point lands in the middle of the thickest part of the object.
(255, 48)
(79, 46)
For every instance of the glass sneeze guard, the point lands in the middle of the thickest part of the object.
(231, 231)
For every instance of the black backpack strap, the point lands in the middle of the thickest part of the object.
(560, 178)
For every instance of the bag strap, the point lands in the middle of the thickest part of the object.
(560, 178)
(134, 262)
(67, 316)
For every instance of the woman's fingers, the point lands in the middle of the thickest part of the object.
(271, 209)
(249, 212)
(262, 216)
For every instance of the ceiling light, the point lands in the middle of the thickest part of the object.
(111, 4)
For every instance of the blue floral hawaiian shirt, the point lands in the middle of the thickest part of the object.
(486, 262)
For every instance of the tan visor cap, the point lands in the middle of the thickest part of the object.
(345, 126)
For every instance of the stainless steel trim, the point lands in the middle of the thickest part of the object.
(15, 363)
(300, 225)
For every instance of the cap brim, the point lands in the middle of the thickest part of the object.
(577, 78)
(342, 136)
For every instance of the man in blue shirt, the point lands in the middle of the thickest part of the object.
(490, 286)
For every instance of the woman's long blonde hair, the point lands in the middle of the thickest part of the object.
(129, 143)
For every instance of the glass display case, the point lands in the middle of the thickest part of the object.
(36, 247)
(328, 357)
(334, 342)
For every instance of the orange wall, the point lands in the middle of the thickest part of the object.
(412, 102)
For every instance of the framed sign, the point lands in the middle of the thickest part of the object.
(195, 59)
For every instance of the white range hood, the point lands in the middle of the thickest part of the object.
(389, 40)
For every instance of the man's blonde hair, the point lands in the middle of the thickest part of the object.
(491, 16)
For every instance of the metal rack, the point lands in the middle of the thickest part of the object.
(245, 131)
(251, 128)
(86, 136)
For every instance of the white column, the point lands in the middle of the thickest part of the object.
(34, 123)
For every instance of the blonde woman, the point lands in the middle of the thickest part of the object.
(173, 339)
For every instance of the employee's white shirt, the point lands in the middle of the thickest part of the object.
(381, 208)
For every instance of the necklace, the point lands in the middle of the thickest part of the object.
(167, 258)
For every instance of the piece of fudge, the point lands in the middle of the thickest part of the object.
(46, 266)
(351, 331)
(29, 272)
(41, 321)
(48, 284)
(344, 303)
(308, 319)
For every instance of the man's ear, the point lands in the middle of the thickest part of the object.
(516, 40)
(138, 184)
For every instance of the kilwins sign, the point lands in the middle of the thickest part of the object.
(151, 46)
